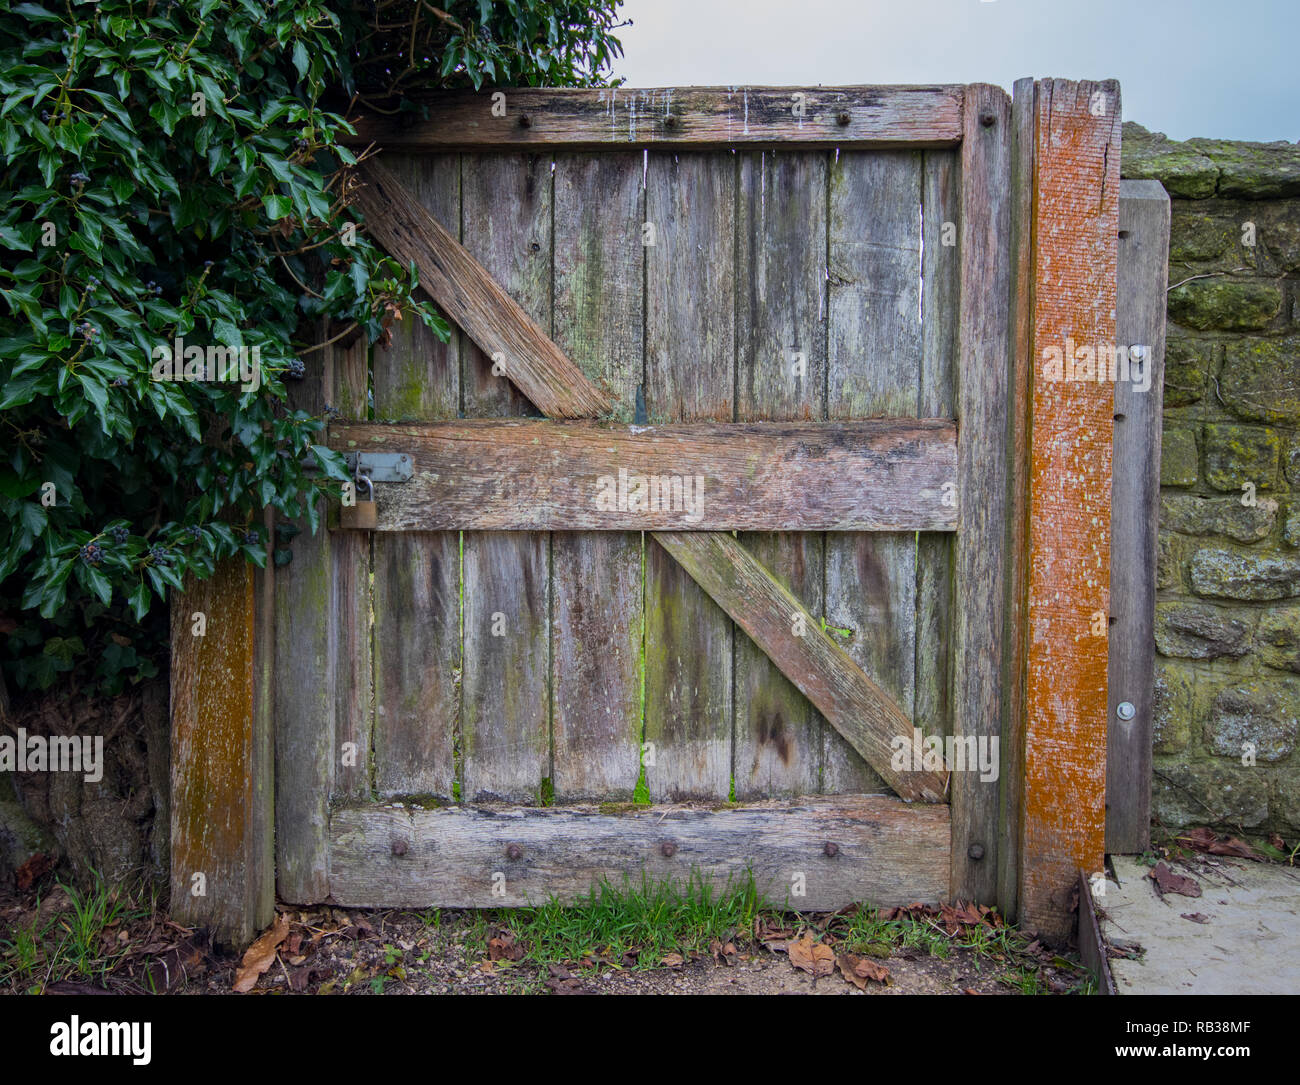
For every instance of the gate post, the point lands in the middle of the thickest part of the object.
(222, 872)
(1075, 224)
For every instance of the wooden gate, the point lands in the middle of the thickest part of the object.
(720, 510)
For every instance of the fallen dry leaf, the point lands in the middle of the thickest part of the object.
(258, 957)
(504, 948)
(1207, 840)
(1195, 917)
(672, 960)
(858, 970)
(33, 870)
(1166, 881)
(812, 957)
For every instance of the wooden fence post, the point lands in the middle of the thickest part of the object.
(1076, 223)
(1142, 276)
(222, 870)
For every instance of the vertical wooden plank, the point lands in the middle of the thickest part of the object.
(1142, 274)
(505, 713)
(874, 346)
(983, 339)
(416, 635)
(1076, 221)
(347, 374)
(1016, 639)
(940, 293)
(221, 771)
(780, 376)
(690, 357)
(304, 684)
(598, 604)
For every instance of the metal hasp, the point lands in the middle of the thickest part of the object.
(379, 466)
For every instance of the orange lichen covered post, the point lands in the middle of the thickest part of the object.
(222, 875)
(1075, 223)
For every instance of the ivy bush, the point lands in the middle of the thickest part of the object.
(172, 172)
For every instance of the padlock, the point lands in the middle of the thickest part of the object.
(364, 515)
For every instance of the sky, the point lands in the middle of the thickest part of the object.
(1228, 69)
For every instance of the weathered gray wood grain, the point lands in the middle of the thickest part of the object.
(874, 475)
(417, 643)
(780, 374)
(1142, 276)
(304, 688)
(1019, 389)
(597, 593)
(886, 852)
(874, 347)
(982, 379)
(505, 709)
(690, 356)
(482, 306)
(863, 713)
(691, 117)
(940, 286)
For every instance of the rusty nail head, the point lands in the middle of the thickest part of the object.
(668, 849)
(842, 119)
(987, 120)
(976, 851)
(524, 122)
(831, 849)
(514, 851)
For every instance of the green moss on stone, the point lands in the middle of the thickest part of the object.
(1225, 304)
(1260, 379)
(1179, 458)
(1235, 455)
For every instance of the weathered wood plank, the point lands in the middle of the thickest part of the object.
(875, 475)
(692, 117)
(468, 293)
(304, 693)
(1076, 222)
(873, 360)
(1011, 799)
(781, 375)
(690, 358)
(782, 627)
(221, 769)
(505, 708)
(940, 292)
(417, 642)
(886, 852)
(597, 621)
(980, 566)
(1142, 276)
(354, 709)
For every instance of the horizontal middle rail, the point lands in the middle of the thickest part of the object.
(541, 475)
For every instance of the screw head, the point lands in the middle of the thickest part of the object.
(987, 120)
(1125, 710)
(524, 122)
(667, 849)
(976, 852)
(831, 849)
(514, 851)
(670, 121)
(400, 846)
(842, 119)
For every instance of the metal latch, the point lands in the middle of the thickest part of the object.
(367, 468)
(379, 466)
